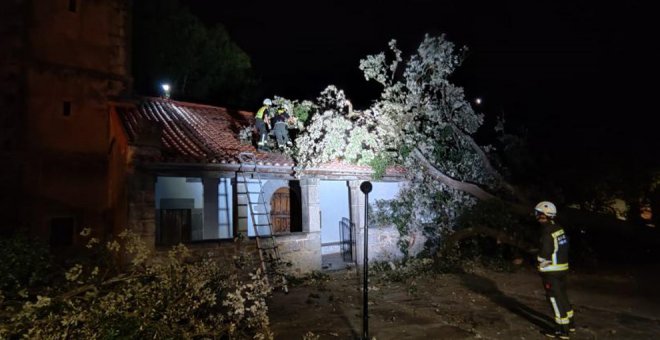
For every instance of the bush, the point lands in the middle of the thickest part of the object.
(170, 297)
(24, 264)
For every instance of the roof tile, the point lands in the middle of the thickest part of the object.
(194, 132)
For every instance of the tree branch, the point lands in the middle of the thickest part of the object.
(470, 188)
(489, 167)
(79, 290)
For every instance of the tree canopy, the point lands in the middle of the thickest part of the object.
(421, 121)
(172, 45)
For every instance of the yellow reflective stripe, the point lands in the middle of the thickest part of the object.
(554, 267)
(558, 318)
(555, 308)
(554, 240)
(562, 321)
(557, 233)
(569, 313)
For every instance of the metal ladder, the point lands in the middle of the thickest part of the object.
(247, 181)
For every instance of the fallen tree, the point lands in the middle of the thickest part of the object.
(422, 122)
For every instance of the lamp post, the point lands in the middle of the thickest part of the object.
(366, 187)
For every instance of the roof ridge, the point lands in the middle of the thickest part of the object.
(191, 104)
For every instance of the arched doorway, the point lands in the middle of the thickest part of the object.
(280, 211)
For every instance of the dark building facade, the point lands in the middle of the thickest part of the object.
(66, 62)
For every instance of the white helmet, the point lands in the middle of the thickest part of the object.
(546, 208)
(268, 102)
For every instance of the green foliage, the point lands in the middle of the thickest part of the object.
(334, 133)
(177, 296)
(379, 165)
(24, 263)
(201, 63)
(399, 213)
(302, 110)
(419, 112)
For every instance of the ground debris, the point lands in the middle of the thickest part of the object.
(487, 305)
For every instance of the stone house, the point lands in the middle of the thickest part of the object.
(78, 153)
(181, 171)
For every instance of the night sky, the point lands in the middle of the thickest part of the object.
(580, 76)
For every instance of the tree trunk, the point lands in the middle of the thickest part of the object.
(469, 188)
(499, 235)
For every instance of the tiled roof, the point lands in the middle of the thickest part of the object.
(194, 133)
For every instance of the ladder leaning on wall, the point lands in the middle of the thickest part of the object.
(249, 185)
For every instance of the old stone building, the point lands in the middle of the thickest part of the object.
(62, 63)
(79, 150)
(185, 178)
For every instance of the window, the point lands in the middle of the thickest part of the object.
(66, 108)
(61, 231)
(175, 227)
(180, 210)
(73, 6)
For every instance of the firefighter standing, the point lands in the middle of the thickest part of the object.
(553, 266)
(261, 119)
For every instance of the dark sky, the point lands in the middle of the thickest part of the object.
(580, 75)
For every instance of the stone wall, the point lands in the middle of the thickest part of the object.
(142, 206)
(299, 249)
(384, 244)
(224, 252)
(302, 250)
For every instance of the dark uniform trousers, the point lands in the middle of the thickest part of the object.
(555, 291)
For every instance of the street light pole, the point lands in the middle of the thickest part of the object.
(366, 187)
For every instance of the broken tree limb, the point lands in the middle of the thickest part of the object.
(499, 235)
(82, 289)
(484, 158)
(467, 187)
(470, 188)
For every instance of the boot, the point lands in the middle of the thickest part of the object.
(557, 333)
(261, 145)
(571, 326)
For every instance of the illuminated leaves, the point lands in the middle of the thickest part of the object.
(174, 296)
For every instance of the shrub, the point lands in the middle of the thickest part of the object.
(175, 296)
(24, 263)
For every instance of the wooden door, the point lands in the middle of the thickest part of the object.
(175, 226)
(280, 212)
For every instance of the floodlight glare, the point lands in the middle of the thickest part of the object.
(166, 90)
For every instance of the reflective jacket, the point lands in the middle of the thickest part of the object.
(553, 256)
(260, 113)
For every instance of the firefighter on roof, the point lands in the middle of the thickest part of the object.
(280, 125)
(261, 119)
